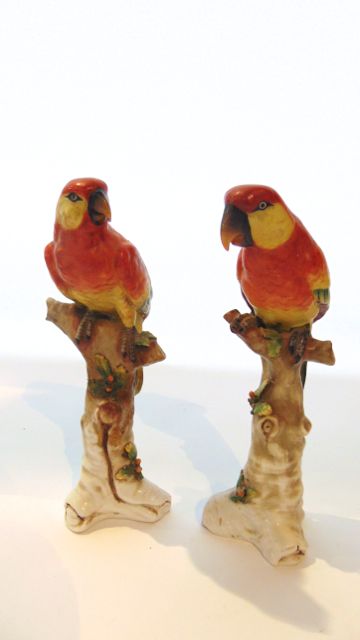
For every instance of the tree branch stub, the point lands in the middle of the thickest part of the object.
(111, 484)
(107, 332)
(247, 327)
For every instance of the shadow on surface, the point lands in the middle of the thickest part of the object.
(235, 566)
(240, 569)
(62, 404)
(335, 540)
(39, 600)
(201, 441)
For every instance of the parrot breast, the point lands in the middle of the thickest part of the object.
(279, 283)
(103, 271)
(94, 262)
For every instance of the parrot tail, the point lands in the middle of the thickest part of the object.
(139, 380)
(303, 371)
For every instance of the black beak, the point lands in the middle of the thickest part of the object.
(235, 228)
(99, 208)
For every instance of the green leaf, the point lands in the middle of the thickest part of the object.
(274, 346)
(121, 372)
(130, 451)
(274, 342)
(250, 493)
(144, 339)
(103, 365)
(269, 334)
(128, 471)
(262, 387)
(262, 409)
(125, 472)
(241, 480)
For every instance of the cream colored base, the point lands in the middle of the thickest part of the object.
(278, 535)
(95, 499)
(145, 502)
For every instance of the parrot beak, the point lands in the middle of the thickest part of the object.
(235, 228)
(99, 208)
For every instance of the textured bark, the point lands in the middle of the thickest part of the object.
(111, 483)
(265, 508)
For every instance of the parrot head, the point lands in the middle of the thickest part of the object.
(83, 201)
(255, 216)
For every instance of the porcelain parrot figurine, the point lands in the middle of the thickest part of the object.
(282, 272)
(284, 278)
(91, 263)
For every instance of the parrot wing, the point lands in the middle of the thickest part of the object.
(239, 274)
(320, 285)
(53, 270)
(322, 297)
(133, 276)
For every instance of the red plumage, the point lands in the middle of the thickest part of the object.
(92, 263)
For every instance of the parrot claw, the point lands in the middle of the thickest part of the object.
(85, 326)
(298, 342)
(128, 344)
(89, 317)
(243, 322)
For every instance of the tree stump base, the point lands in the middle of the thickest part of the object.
(277, 535)
(111, 485)
(98, 497)
(265, 507)
(83, 510)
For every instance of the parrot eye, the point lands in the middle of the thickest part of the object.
(263, 205)
(73, 197)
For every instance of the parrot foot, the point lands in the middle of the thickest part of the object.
(87, 322)
(241, 323)
(298, 341)
(128, 344)
(84, 329)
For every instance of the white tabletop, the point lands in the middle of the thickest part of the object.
(172, 579)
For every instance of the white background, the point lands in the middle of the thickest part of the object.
(172, 103)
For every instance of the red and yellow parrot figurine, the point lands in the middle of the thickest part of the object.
(90, 262)
(282, 272)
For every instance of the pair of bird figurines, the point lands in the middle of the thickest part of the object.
(284, 279)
